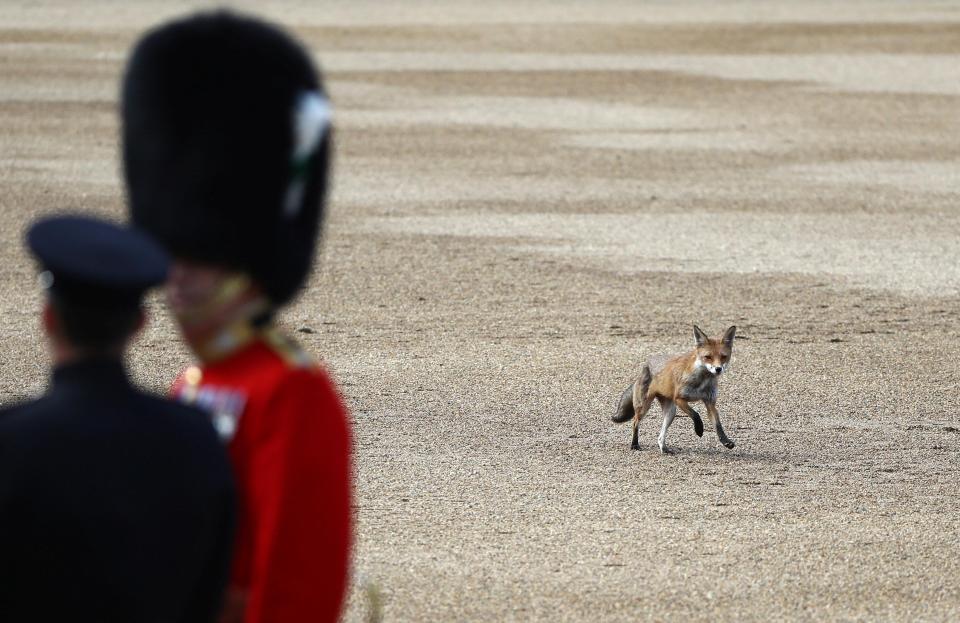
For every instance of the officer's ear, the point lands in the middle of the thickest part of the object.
(51, 323)
(142, 319)
(135, 326)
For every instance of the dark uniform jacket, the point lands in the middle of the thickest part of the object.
(115, 506)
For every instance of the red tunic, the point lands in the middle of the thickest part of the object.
(289, 442)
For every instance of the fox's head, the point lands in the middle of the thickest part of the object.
(714, 354)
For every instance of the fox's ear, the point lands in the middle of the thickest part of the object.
(700, 336)
(728, 336)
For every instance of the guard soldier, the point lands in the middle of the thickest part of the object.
(115, 506)
(226, 141)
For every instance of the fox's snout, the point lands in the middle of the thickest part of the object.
(711, 368)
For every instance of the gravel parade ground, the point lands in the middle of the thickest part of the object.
(530, 199)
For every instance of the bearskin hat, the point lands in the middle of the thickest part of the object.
(226, 142)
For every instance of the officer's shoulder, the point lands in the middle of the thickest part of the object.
(26, 427)
(21, 414)
(11, 410)
(190, 429)
(182, 417)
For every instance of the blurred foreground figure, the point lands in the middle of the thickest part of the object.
(226, 140)
(115, 506)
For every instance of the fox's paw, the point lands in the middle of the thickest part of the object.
(728, 443)
(698, 426)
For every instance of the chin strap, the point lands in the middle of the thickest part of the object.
(229, 319)
(231, 338)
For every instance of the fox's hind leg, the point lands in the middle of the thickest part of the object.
(669, 409)
(642, 399)
(639, 410)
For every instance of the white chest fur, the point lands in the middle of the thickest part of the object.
(699, 385)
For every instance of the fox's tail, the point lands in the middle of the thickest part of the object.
(625, 408)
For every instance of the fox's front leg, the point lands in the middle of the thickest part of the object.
(715, 418)
(684, 406)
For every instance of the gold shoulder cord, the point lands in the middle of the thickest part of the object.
(287, 348)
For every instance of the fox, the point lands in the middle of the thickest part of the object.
(675, 381)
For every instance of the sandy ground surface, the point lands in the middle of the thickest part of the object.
(530, 199)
